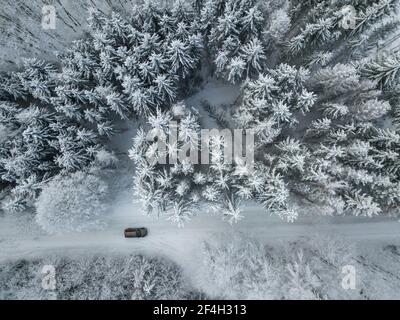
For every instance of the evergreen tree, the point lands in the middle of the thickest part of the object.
(324, 105)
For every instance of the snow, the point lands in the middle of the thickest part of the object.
(22, 33)
(21, 238)
(215, 92)
(183, 245)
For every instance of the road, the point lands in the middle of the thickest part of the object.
(183, 245)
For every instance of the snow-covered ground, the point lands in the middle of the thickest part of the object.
(22, 34)
(22, 238)
(183, 245)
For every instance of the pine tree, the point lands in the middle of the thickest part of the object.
(323, 104)
(42, 145)
(384, 69)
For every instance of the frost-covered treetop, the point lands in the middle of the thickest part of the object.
(321, 97)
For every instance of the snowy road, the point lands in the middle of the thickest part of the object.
(183, 245)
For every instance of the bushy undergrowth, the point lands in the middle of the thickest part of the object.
(74, 202)
(231, 267)
(236, 267)
(94, 278)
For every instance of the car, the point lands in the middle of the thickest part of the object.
(135, 232)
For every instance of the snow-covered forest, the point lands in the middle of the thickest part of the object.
(316, 82)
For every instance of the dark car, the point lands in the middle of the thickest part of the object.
(135, 232)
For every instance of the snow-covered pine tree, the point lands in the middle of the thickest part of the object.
(128, 66)
(314, 100)
(275, 101)
(384, 68)
(39, 142)
(346, 29)
(315, 156)
(180, 189)
(319, 97)
(296, 32)
(124, 67)
(347, 168)
(183, 188)
(234, 30)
